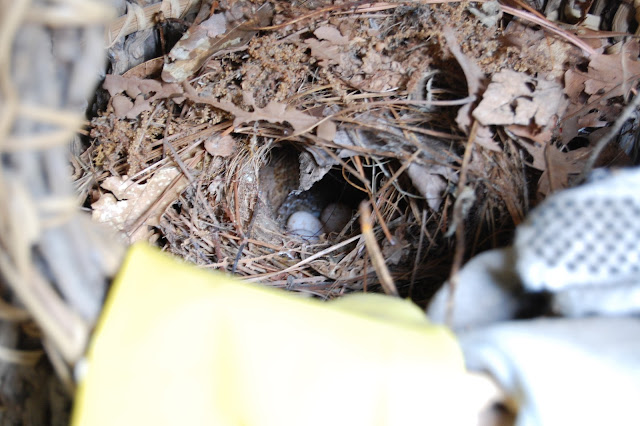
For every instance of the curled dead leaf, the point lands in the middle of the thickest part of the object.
(209, 37)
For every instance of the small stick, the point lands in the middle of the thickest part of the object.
(611, 133)
(143, 217)
(373, 249)
(458, 221)
(305, 261)
(246, 236)
(423, 231)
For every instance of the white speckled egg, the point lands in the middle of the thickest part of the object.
(335, 216)
(305, 225)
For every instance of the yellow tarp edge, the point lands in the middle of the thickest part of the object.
(179, 345)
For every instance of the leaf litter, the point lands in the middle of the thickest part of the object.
(263, 109)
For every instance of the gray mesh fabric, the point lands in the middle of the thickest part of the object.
(586, 236)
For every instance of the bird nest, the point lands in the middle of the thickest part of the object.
(262, 138)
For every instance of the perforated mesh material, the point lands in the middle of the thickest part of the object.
(588, 235)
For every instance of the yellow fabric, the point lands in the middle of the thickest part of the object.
(180, 346)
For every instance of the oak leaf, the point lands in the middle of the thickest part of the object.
(128, 202)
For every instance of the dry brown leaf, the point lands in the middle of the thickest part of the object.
(331, 34)
(536, 150)
(368, 71)
(541, 136)
(609, 73)
(472, 73)
(557, 166)
(549, 54)
(591, 119)
(310, 171)
(275, 112)
(325, 52)
(431, 182)
(485, 138)
(607, 77)
(121, 105)
(143, 91)
(395, 253)
(517, 98)
(328, 48)
(147, 69)
(132, 86)
(129, 201)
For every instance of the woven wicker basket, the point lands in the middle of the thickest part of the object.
(54, 261)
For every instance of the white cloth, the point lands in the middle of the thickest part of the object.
(563, 371)
(487, 292)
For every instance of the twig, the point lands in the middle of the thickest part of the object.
(167, 146)
(167, 191)
(376, 209)
(317, 12)
(613, 131)
(305, 261)
(458, 220)
(423, 230)
(377, 259)
(549, 26)
(247, 235)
